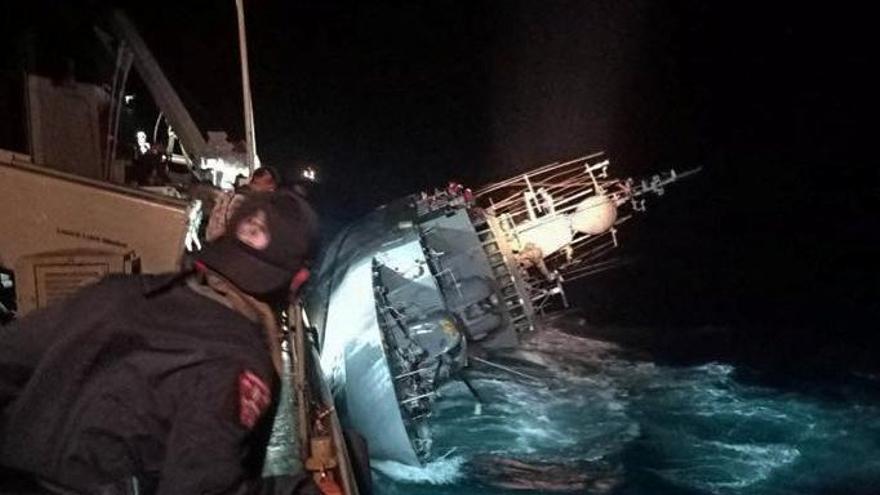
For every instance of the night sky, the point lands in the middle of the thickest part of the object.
(775, 238)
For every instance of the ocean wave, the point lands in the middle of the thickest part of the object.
(440, 472)
(685, 429)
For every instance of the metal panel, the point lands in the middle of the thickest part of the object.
(44, 211)
(65, 131)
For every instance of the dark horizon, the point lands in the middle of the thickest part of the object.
(774, 236)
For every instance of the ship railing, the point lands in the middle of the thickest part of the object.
(567, 179)
(546, 293)
(572, 176)
(597, 250)
(540, 170)
(416, 398)
(412, 373)
(420, 417)
(594, 269)
(522, 212)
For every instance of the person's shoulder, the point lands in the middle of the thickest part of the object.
(222, 197)
(118, 285)
(113, 282)
(113, 291)
(147, 280)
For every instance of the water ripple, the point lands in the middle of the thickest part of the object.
(603, 423)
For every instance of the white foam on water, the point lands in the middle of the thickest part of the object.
(440, 472)
(729, 467)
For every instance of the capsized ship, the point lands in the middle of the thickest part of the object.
(403, 295)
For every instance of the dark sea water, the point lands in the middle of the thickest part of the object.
(598, 420)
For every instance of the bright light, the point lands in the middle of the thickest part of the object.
(142, 144)
(225, 171)
(310, 174)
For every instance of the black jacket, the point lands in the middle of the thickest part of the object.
(137, 379)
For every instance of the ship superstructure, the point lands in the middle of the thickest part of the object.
(560, 221)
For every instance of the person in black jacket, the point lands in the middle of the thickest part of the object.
(158, 384)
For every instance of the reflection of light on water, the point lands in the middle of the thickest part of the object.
(664, 429)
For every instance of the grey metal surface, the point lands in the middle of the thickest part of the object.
(380, 315)
(354, 358)
(466, 277)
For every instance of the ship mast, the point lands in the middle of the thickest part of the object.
(249, 132)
